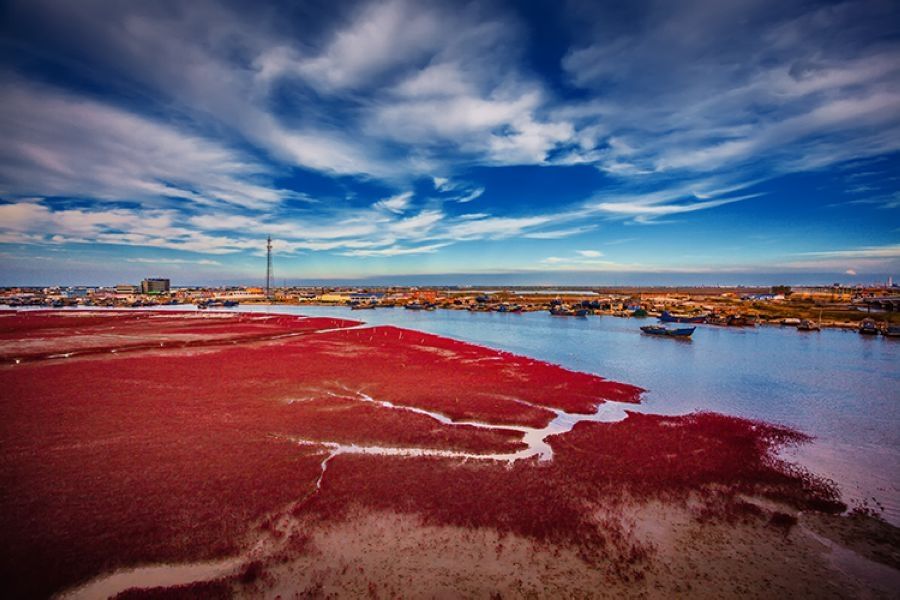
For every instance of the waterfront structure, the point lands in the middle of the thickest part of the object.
(155, 286)
(127, 288)
(245, 294)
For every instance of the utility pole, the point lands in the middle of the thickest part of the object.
(269, 268)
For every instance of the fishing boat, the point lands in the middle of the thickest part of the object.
(667, 317)
(740, 321)
(359, 306)
(892, 331)
(682, 332)
(868, 327)
(564, 311)
(807, 325)
(419, 306)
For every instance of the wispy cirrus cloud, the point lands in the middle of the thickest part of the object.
(61, 145)
(173, 261)
(396, 251)
(814, 93)
(888, 251)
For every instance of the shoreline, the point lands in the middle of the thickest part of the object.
(190, 307)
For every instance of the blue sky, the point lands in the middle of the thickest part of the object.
(436, 142)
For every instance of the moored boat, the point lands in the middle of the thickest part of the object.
(868, 327)
(892, 331)
(667, 317)
(419, 306)
(807, 325)
(717, 320)
(682, 332)
(564, 311)
(740, 321)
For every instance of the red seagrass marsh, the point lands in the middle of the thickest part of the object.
(253, 442)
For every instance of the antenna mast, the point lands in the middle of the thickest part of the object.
(269, 268)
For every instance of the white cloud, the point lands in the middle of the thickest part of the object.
(173, 261)
(555, 234)
(442, 184)
(380, 36)
(396, 251)
(495, 227)
(395, 204)
(55, 144)
(794, 87)
(886, 251)
(589, 253)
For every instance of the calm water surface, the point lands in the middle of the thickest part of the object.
(839, 386)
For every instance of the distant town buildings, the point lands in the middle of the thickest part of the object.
(155, 286)
(127, 289)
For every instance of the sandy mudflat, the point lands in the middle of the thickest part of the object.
(392, 555)
(388, 555)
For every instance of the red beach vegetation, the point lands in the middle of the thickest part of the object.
(193, 442)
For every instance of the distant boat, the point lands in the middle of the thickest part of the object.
(419, 306)
(230, 303)
(563, 311)
(366, 306)
(668, 317)
(740, 321)
(892, 331)
(684, 332)
(807, 325)
(868, 327)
